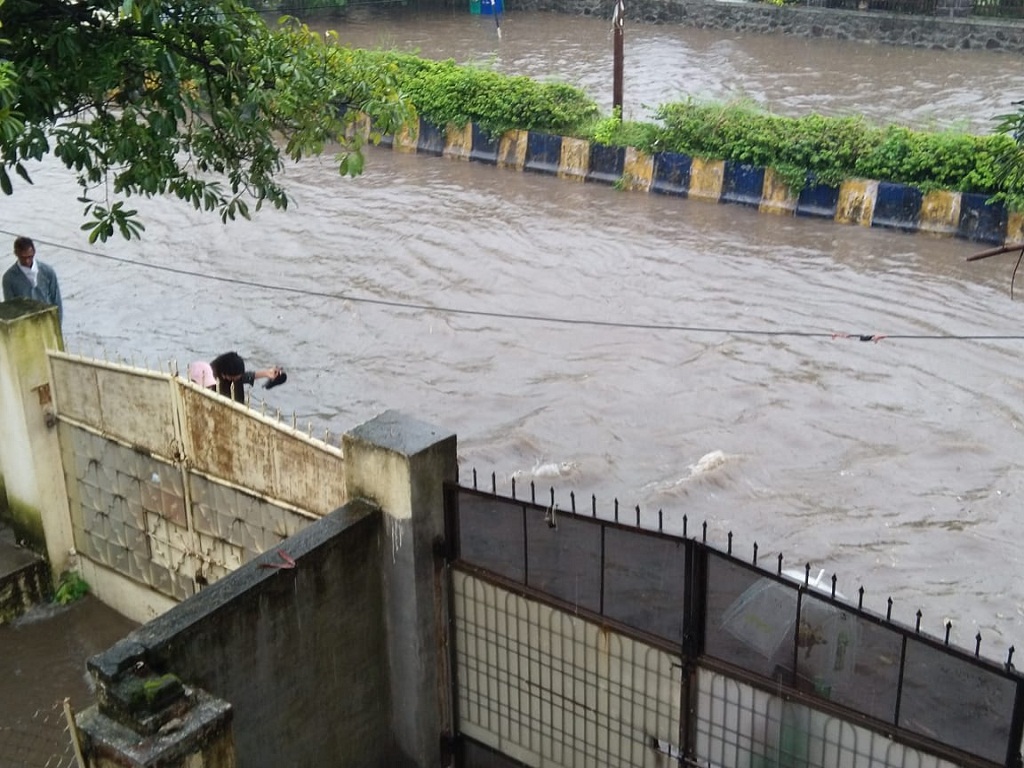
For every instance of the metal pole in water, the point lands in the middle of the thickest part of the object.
(620, 9)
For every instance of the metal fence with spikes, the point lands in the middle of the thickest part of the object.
(777, 655)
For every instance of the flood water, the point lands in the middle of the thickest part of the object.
(664, 63)
(676, 355)
(42, 662)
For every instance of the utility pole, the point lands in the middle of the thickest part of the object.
(620, 10)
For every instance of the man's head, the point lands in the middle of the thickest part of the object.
(25, 251)
(228, 367)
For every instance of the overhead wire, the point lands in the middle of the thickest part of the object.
(524, 317)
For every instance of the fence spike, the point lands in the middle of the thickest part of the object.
(572, 501)
(949, 627)
(728, 549)
(704, 532)
(755, 553)
(593, 503)
(807, 575)
(1009, 658)
(834, 579)
(533, 492)
(513, 486)
(494, 483)
(780, 563)
(637, 515)
(977, 645)
(888, 610)
(327, 435)
(917, 624)
(860, 599)
(474, 478)
(295, 419)
(660, 521)
(684, 525)
(616, 510)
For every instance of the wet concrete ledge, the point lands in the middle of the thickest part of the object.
(24, 579)
(865, 202)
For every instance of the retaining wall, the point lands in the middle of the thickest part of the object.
(865, 202)
(298, 652)
(947, 30)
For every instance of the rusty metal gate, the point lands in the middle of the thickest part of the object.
(152, 499)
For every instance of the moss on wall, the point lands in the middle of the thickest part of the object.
(27, 524)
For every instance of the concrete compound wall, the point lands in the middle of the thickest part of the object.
(857, 201)
(326, 650)
(299, 653)
(29, 453)
(162, 500)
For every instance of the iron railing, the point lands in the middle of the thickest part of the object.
(771, 630)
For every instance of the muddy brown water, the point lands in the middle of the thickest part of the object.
(673, 354)
(42, 662)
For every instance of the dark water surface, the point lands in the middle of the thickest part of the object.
(42, 662)
(708, 383)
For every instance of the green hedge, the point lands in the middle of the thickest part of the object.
(826, 149)
(444, 92)
(832, 149)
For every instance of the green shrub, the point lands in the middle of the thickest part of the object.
(830, 149)
(72, 587)
(445, 92)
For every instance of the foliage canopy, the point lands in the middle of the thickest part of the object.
(201, 99)
(198, 99)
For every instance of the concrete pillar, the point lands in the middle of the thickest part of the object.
(149, 720)
(34, 499)
(401, 465)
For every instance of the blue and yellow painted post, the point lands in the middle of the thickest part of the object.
(706, 177)
(637, 170)
(574, 159)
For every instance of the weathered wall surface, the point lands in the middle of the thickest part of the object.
(29, 485)
(943, 31)
(299, 653)
(159, 504)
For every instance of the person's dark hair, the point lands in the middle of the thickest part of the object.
(228, 364)
(22, 244)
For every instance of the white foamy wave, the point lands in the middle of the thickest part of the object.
(709, 462)
(705, 468)
(549, 469)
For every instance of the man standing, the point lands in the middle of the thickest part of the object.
(31, 279)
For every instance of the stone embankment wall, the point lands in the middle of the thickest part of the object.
(949, 29)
